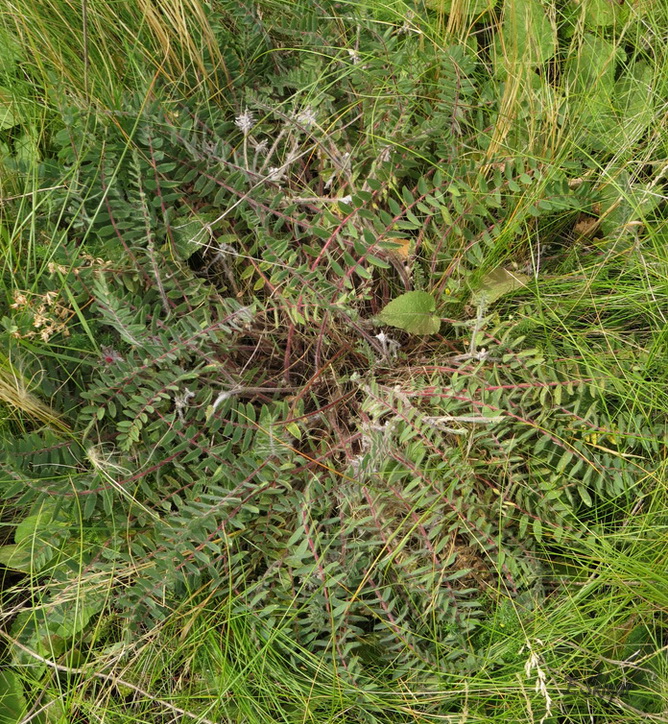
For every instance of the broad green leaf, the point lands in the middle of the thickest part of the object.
(499, 283)
(48, 635)
(36, 637)
(36, 542)
(9, 52)
(590, 76)
(414, 312)
(592, 68)
(12, 700)
(16, 558)
(33, 525)
(612, 114)
(601, 13)
(634, 92)
(527, 32)
(467, 9)
(8, 115)
(27, 148)
(634, 106)
(623, 202)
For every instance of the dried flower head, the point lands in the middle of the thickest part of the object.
(182, 400)
(20, 300)
(39, 320)
(49, 316)
(533, 663)
(60, 268)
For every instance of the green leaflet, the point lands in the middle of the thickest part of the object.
(413, 312)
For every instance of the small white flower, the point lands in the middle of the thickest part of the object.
(385, 154)
(409, 25)
(382, 337)
(354, 56)
(245, 122)
(241, 318)
(389, 346)
(221, 398)
(306, 118)
(347, 200)
(181, 401)
(274, 174)
(224, 249)
(262, 147)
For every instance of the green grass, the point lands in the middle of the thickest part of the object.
(167, 283)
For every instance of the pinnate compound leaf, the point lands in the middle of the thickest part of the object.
(413, 312)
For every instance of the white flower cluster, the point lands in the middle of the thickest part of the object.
(306, 118)
(389, 346)
(245, 122)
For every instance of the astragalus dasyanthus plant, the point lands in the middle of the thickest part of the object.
(346, 398)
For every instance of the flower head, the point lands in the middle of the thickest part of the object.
(20, 300)
(306, 118)
(262, 147)
(110, 356)
(245, 122)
